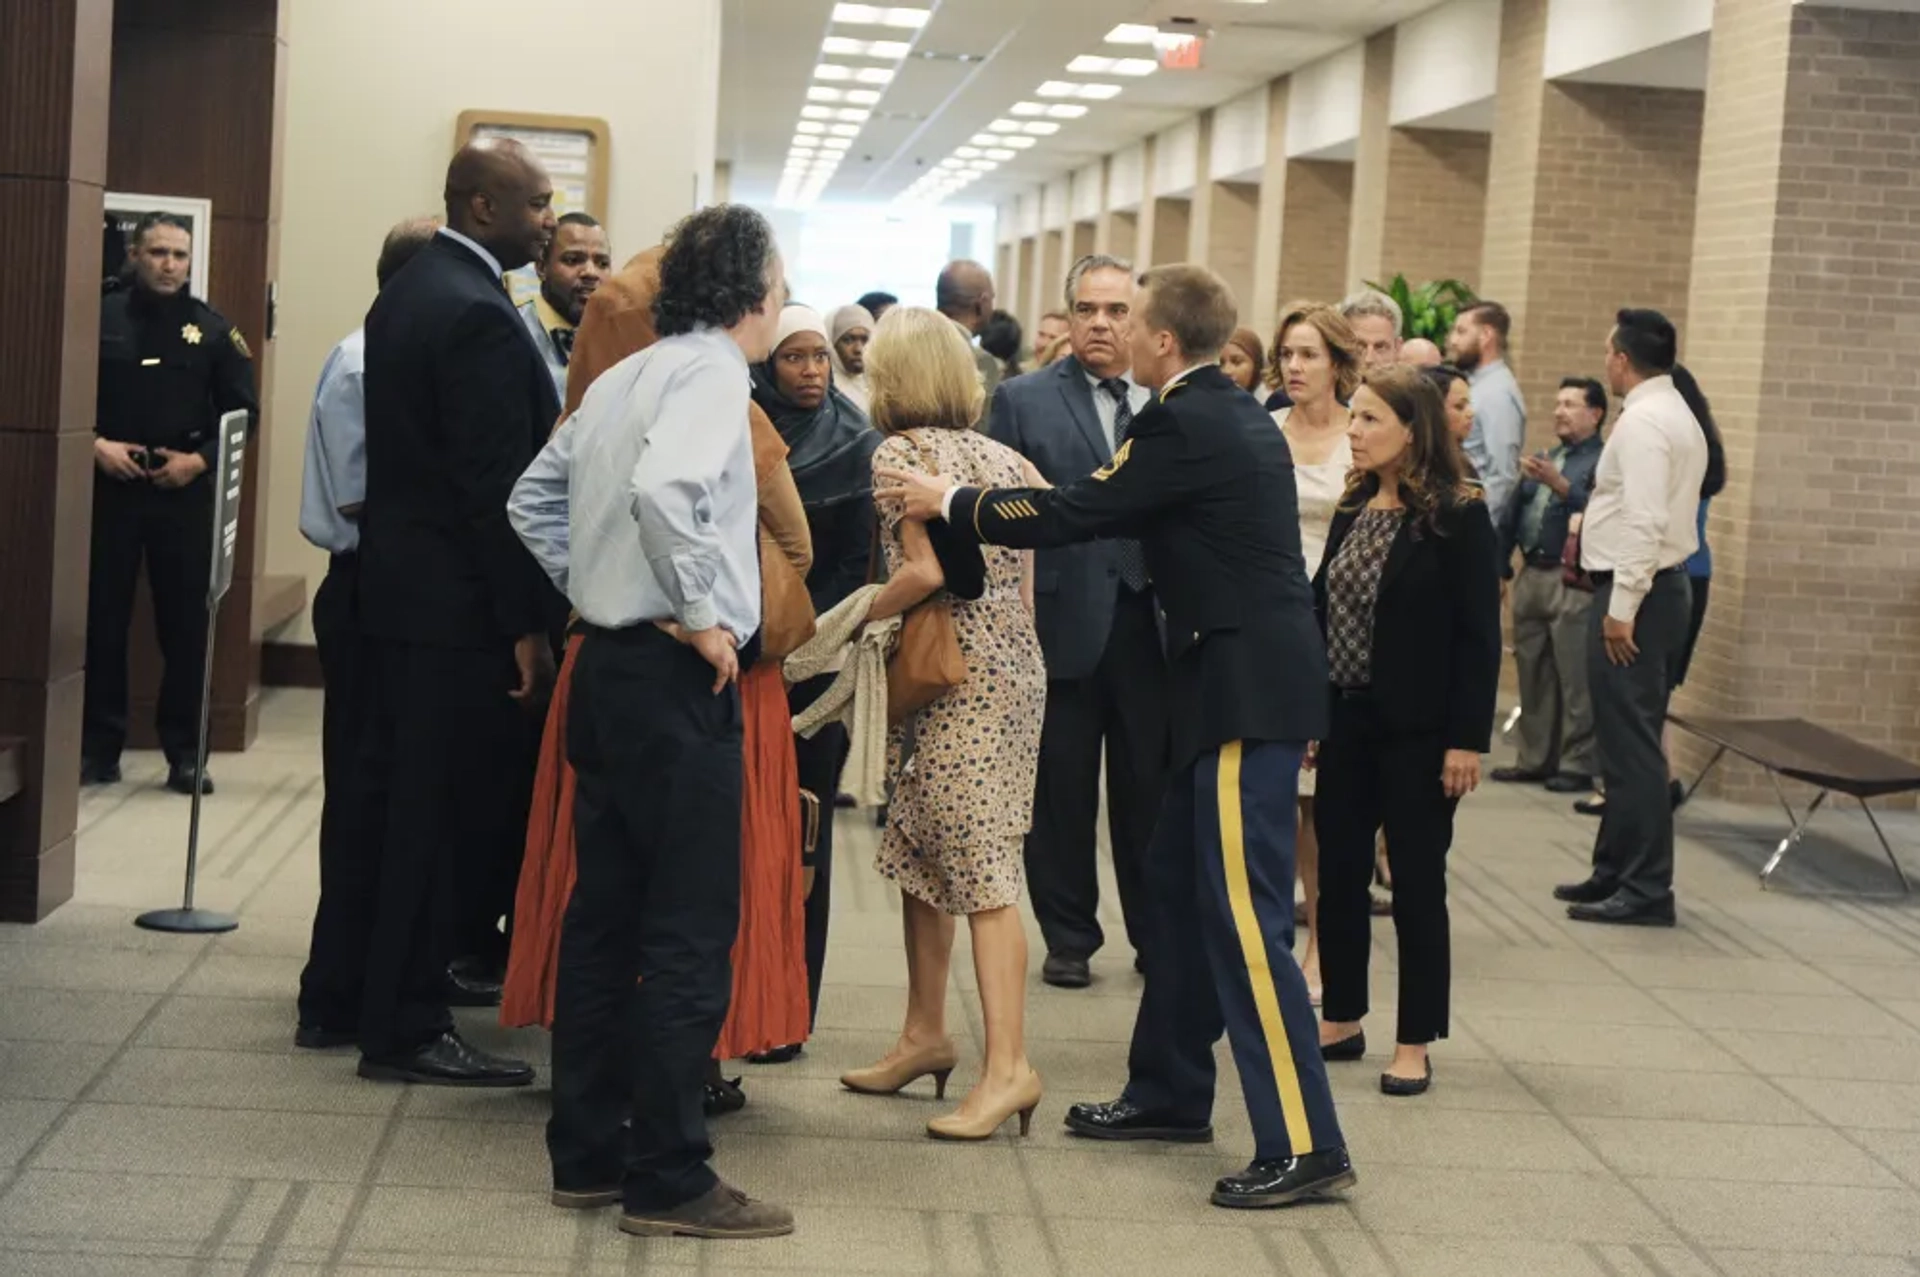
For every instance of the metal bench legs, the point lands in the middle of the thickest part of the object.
(1799, 830)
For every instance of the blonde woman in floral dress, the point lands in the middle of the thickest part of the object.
(961, 769)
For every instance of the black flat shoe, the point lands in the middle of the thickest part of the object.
(778, 1055)
(1122, 1119)
(1569, 783)
(1519, 776)
(1592, 891)
(1286, 1180)
(1624, 913)
(1591, 806)
(180, 778)
(314, 1037)
(468, 985)
(95, 772)
(1353, 1048)
(1392, 1085)
(1066, 971)
(448, 1060)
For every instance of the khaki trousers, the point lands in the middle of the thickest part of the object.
(1550, 648)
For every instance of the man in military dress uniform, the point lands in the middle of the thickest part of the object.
(170, 366)
(1206, 484)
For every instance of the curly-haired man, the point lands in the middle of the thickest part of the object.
(642, 508)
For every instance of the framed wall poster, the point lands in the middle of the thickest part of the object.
(575, 152)
(123, 212)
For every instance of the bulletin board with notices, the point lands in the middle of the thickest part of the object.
(575, 151)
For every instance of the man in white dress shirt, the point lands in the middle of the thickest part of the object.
(643, 509)
(1638, 533)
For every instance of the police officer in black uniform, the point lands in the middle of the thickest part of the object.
(169, 367)
(1206, 484)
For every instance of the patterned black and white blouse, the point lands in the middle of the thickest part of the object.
(1353, 587)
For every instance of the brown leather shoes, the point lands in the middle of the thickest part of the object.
(723, 1211)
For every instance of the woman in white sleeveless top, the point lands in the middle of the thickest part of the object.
(1316, 360)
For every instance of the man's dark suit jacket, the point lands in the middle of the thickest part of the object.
(458, 403)
(1436, 626)
(1206, 483)
(1048, 417)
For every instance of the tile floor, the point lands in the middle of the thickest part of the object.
(1738, 1096)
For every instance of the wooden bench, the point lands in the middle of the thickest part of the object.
(1813, 755)
(13, 767)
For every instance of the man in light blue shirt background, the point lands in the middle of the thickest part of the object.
(333, 485)
(643, 509)
(1478, 347)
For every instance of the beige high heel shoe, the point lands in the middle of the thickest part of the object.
(1023, 1100)
(891, 1076)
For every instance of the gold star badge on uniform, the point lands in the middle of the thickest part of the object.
(191, 332)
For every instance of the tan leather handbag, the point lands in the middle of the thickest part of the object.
(926, 662)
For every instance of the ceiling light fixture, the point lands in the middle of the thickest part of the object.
(967, 152)
(1069, 89)
(1092, 65)
(874, 75)
(821, 93)
(809, 126)
(853, 115)
(832, 71)
(816, 113)
(853, 130)
(1000, 155)
(1004, 126)
(1132, 33)
(985, 139)
(1040, 128)
(1066, 111)
(1017, 141)
(878, 15)
(842, 46)
(1026, 108)
(862, 97)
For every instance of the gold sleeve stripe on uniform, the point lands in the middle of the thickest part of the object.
(1253, 949)
(979, 499)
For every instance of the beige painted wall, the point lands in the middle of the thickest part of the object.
(373, 91)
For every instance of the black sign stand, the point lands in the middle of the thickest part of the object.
(226, 540)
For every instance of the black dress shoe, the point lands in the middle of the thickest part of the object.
(722, 1096)
(1065, 971)
(180, 778)
(1591, 806)
(1519, 775)
(314, 1037)
(778, 1055)
(1625, 913)
(1592, 891)
(1353, 1048)
(1284, 1180)
(1122, 1119)
(99, 771)
(470, 986)
(448, 1060)
(1569, 783)
(1393, 1085)
(1678, 793)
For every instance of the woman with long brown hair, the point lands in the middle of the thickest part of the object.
(1316, 360)
(1409, 600)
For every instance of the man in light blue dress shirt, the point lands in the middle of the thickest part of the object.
(643, 509)
(1478, 346)
(333, 485)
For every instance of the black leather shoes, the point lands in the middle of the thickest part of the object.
(1065, 971)
(1353, 1048)
(1591, 806)
(778, 1055)
(180, 778)
(315, 1037)
(1122, 1119)
(1292, 1179)
(1390, 1084)
(1569, 783)
(97, 772)
(722, 1096)
(470, 984)
(1518, 776)
(448, 1060)
(1625, 913)
(1592, 891)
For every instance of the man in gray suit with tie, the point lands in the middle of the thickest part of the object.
(1106, 669)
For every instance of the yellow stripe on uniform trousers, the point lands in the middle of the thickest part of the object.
(1270, 1016)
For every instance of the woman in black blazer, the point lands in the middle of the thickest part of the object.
(1409, 601)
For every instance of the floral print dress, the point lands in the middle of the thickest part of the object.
(961, 770)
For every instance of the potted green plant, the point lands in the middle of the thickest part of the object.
(1429, 309)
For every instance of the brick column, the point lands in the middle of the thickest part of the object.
(1807, 246)
(1231, 237)
(1598, 214)
(54, 76)
(1373, 184)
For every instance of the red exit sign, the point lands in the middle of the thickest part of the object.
(1181, 53)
